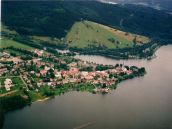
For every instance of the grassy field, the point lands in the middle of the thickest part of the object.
(45, 39)
(86, 33)
(48, 40)
(5, 29)
(5, 42)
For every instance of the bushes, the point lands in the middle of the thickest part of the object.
(142, 51)
(26, 57)
(23, 51)
(88, 68)
(102, 67)
(49, 93)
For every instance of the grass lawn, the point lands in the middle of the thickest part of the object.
(8, 42)
(40, 94)
(86, 33)
(17, 82)
(35, 95)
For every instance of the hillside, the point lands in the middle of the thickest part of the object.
(86, 33)
(85, 37)
(59, 24)
(55, 18)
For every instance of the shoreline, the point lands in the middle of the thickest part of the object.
(42, 100)
(119, 57)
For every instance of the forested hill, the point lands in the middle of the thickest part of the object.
(56, 18)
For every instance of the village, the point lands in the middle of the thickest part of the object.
(48, 70)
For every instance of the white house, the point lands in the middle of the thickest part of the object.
(8, 84)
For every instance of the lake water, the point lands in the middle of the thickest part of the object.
(140, 103)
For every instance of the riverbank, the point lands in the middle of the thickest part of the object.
(145, 51)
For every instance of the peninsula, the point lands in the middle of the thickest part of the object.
(37, 74)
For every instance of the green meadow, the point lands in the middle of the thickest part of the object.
(5, 42)
(85, 33)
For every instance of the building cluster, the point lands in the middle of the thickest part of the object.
(38, 72)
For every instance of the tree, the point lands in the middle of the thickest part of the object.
(51, 73)
(127, 67)
(121, 65)
(135, 41)
(110, 76)
(117, 65)
(142, 70)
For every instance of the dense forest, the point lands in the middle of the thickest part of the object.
(55, 18)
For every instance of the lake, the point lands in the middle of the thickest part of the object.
(140, 103)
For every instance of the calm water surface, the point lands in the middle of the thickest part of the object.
(140, 103)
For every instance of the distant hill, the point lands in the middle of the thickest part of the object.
(55, 18)
(86, 33)
(157, 4)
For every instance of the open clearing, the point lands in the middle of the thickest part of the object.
(85, 33)
(5, 42)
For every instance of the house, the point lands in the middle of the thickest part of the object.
(38, 52)
(16, 60)
(114, 71)
(72, 80)
(5, 55)
(37, 60)
(39, 84)
(32, 72)
(95, 82)
(103, 74)
(38, 74)
(124, 69)
(8, 84)
(43, 72)
(73, 71)
(73, 64)
(84, 73)
(92, 74)
(65, 81)
(64, 74)
(3, 70)
(88, 77)
(47, 68)
(49, 83)
(129, 72)
(57, 74)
